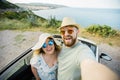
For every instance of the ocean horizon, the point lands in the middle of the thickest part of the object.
(85, 16)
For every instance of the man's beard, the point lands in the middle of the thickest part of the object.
(73, 41)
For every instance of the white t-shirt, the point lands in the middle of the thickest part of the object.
(69, 61)
(45, 72)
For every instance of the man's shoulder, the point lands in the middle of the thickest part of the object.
(81, 45)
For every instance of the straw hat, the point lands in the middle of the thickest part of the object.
(68, 21)
(41, 41)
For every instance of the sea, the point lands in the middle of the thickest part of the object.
(84, 16)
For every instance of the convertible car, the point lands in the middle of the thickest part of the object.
(20, 69)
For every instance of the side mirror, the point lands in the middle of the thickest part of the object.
(105, 57)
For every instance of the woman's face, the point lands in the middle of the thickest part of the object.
(48, 47)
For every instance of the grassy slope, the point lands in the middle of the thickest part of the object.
(112, 41)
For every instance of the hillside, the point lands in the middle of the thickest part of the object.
(7, 5)
(14, 17)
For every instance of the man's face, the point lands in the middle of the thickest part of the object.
(69, 35)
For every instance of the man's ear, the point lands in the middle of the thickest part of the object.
(78, 31)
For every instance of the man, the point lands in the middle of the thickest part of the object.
(73, 52)
(74, 55)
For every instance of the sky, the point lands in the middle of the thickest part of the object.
(77, 3)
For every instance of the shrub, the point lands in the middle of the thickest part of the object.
(52, 22)
(104, 31)
(25, 20)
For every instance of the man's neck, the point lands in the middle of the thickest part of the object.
(72, 45)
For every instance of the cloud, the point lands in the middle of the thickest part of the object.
(77, 3)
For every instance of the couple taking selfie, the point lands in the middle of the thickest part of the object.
(72, 61)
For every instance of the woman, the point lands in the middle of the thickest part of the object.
(44, 60)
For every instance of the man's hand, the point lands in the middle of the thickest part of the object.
(92, 70)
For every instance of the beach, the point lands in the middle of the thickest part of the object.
(13, 43)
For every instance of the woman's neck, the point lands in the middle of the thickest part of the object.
(50, 59)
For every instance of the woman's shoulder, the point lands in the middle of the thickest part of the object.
(36, 58)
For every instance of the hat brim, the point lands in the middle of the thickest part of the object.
(39, 44)
(76, 25)
(41, 41)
